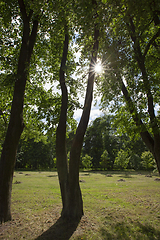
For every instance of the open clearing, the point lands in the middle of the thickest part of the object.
(117, 205)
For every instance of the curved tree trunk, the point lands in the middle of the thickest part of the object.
(16, 125)
(61, 152)
(74, 204)
(69, 178)
(152, 143)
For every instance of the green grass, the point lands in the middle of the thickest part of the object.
(113, 209)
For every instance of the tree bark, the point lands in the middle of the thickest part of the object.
(16, 124)
(151, 142)
(69, 178)
(61, 153)
(74, 205)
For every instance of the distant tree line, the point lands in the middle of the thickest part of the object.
(110, 151)
(103, 149)
(35, 155)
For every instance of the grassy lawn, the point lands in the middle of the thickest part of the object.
(126, 209)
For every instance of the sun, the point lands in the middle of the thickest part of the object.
(98, 68)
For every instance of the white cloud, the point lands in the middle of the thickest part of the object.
(95, 112)
(157, 108)
(77, 114)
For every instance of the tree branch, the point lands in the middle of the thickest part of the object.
(140, 58)
(32, 38)
(25, 18)
(151, 42)
(61, 153)
(145, 135)
(23, 10)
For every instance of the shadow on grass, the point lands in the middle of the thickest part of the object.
(61, 230)
(52, 176)
(124, 231)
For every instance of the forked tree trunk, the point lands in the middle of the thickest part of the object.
(16, 125)
(69, 178)
(74, 207)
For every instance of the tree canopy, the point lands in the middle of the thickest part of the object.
(39, 42)
(131, 68)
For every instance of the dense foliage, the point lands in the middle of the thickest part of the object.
(110, 150)
(103, 148)
(130, 56)
(39, 42)
(118, 49)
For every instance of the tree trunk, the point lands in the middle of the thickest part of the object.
(61, 153)
(152, 143)
(16, 125)
(7, 163)
(157, 150)
(74, 204)
(69, 178)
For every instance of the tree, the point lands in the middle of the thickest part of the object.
(132, 38)
(101, 136)
(30, 14)
(35, 155)
(105, 160)
(93, 142)
(16, 124)
(87, 161)
(69, 177)
(148, 162)
(135, 162)
(122, 160)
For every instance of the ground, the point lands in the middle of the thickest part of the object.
(117, 205)
(40, 224)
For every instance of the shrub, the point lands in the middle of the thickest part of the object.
(148, 162)
(122, 160)
(105, 160)
(87, 161)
